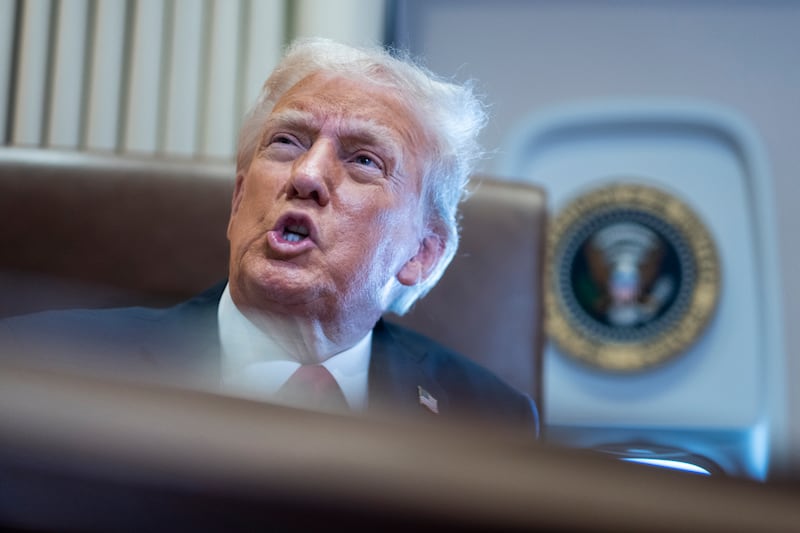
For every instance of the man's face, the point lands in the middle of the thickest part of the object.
(328, 212)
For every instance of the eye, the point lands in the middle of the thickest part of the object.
(368, 160)
(365, 160)
(283, 138)
(282, 147)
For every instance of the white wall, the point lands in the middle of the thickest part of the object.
(531, 56)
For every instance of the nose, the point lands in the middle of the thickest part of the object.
(313, 173)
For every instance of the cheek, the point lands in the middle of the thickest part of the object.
(246, 228)
(395, 235)
(264, 180)
(364, 240)
(376, 232)
(258, 198)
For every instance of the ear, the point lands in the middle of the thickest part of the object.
(419, 267)
(236, 200)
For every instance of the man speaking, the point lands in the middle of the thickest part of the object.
(350, 168)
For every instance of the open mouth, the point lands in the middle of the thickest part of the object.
(295, 232)
(292, 230)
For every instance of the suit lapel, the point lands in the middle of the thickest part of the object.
(398, 376)
(185, 340)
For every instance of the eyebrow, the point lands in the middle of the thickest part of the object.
(354, 128)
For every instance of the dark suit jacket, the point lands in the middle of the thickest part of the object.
(182, 344)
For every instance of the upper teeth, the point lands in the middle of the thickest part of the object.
(302, 230)
(295, 233)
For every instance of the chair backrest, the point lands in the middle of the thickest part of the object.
(89, 230)
(488, 305)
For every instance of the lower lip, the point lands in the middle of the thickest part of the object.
(277, 243)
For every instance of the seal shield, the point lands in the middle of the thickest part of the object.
(633, 277)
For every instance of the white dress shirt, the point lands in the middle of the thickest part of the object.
(255, 366)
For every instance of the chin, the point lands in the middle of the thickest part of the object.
(273, 290)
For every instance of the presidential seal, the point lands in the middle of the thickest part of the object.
(632, 280)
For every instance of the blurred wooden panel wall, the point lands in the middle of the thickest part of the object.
(151, 76)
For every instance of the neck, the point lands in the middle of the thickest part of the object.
(308, 340)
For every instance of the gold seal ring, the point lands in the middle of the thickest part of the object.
(632, 280)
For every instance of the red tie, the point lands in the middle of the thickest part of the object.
(313, 387)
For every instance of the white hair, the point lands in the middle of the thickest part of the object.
(450, 113)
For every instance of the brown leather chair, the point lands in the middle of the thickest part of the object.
(488, 304)
(90, 230)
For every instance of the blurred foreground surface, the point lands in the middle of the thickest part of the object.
(95, 454)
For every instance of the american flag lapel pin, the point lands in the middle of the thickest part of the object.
(427, 400)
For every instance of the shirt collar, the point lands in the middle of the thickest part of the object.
(254, 365)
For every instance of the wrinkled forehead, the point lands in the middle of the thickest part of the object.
(358, 102)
